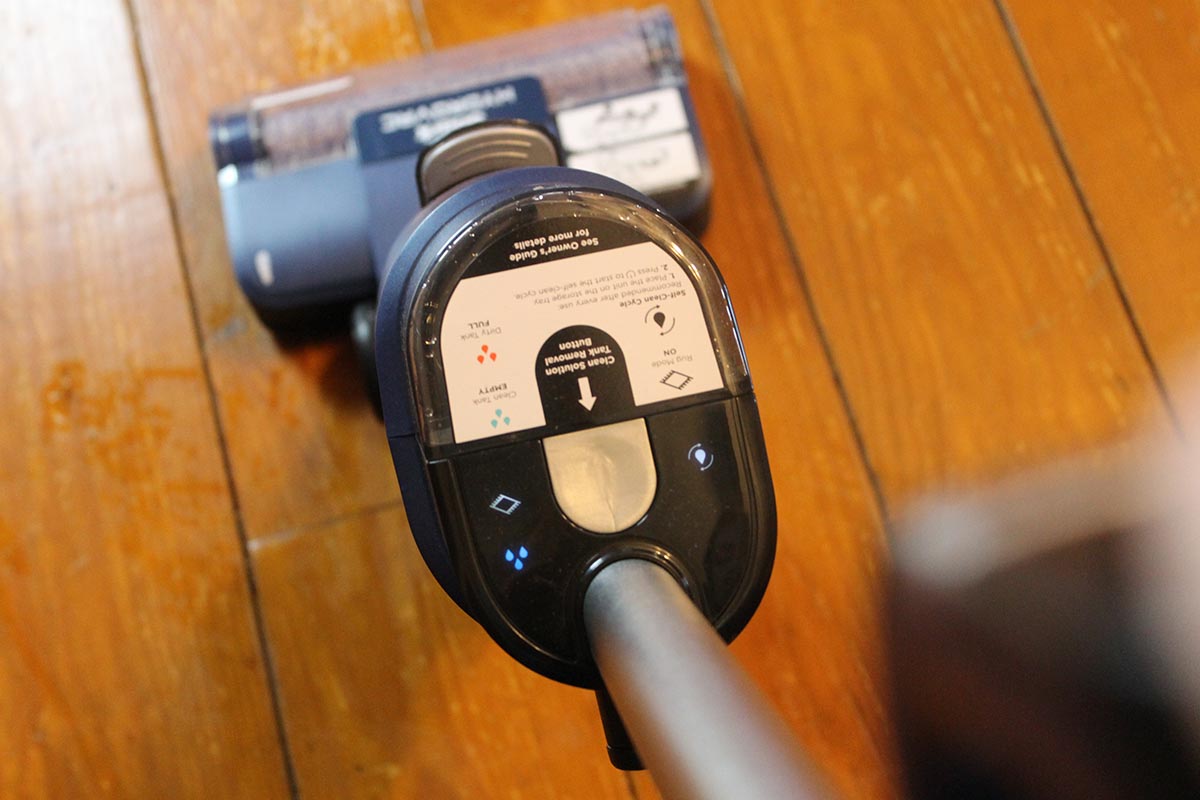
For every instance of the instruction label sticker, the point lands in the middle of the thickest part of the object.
(577, 368)
(648, 166)
(585, 337)
(622, 120)
(644, 139)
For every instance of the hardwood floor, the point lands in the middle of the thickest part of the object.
(961, 237)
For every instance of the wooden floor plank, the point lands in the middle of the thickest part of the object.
(970, 312)
(391, 691)
(303, 442)
(1120, 81)
(812, 645)
(130, 664)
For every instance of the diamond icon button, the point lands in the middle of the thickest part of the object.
(505, 505)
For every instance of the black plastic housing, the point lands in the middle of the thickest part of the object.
(713, 528)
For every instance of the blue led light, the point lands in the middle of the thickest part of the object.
(517, 559)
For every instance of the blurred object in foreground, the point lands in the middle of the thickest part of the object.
(1043, 634)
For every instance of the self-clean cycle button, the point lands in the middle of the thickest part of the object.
(700, 456)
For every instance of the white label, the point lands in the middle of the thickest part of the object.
(625, 119)
(496, 325)
(646, 166)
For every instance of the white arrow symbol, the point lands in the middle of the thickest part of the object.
(586, 399)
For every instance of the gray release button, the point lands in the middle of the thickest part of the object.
(604, 477)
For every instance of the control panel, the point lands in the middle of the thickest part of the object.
(574, 393)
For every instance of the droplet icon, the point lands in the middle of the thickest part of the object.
(699, 454)
(659, 318)
(517, 559)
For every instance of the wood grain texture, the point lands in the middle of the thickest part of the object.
(971, 316)
(1120, 80)
(391, 691)
(812, 646)
(346, 703)
(130, 664)
(302, 440)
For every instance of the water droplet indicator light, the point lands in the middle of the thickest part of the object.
(517, 559)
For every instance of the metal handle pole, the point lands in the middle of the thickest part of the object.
(699, 724)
